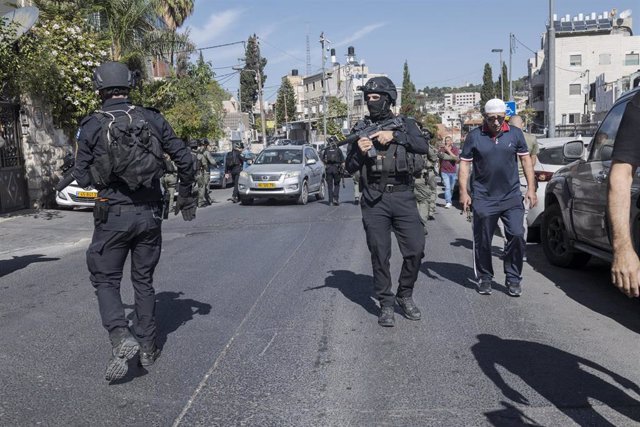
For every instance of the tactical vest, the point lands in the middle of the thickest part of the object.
(394, 162)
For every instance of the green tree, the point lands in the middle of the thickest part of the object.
(488, 88)
(430, 122)
(409, 103)
(285, 103)
(336, 114)
(253, 63)
(174, 12)
(503, 77)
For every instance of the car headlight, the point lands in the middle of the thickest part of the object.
(216, 174)
(244, 174)
(293, 174)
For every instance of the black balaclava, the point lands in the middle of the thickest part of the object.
(380, 109)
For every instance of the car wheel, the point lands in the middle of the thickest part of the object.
(304, 194)
(246, 200)
(555, 240)
(321, 192)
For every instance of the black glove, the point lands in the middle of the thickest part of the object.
(188, 205)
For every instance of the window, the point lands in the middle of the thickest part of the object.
(574, 89)
(314, 86)
(575, 60)
(632, 59)
(574, 118)
(551, 156)
(602, 143)
(605, 59)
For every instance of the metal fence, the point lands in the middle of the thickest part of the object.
(575, 129)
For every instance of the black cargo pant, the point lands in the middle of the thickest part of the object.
(135, 230)
(235, 175)
(333, 182)
(395, 212)
(485, 220)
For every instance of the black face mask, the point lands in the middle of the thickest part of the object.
(380, 109)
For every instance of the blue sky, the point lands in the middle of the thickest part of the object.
(446, 43)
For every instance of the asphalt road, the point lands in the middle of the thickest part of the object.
(266, 318)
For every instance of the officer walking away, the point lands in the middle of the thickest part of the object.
(120, 153)
(333, 159)
(625, 270)
(425, 187)
(170, 181)
(233, 167)
(494, 148)
(388, 201)
(205, 161)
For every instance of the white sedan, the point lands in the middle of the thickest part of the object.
(74, 196)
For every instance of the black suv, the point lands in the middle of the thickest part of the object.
(575, 224)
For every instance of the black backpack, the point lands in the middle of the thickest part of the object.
(134, 154)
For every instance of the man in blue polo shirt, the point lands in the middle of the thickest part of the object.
(494, 149)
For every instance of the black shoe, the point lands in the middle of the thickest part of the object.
(124, 347)
(431, 218)
(514, 289)
(386, 317)
(336, 203)
(484, 287)
(148, 355)
(411, 311)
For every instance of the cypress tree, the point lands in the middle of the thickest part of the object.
(409, 102)
(253, 63)
(488, 88)
(285, 103)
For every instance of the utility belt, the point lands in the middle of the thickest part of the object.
(390, 188)
(102, 209)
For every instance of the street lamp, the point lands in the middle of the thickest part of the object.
(262, 117)
(500, 73)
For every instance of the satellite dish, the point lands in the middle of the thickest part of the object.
(23, 17)
(625, 14)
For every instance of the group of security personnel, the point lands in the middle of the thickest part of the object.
(128, 222)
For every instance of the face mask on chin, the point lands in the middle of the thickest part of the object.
(380, 109)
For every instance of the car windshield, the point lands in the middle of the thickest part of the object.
(552, 156)
(279, 157)
(219, 157)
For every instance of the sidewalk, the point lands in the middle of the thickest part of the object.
(30, 231)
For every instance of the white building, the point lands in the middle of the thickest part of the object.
(586, 46)
(461, 99)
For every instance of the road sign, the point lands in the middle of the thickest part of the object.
(511, 108)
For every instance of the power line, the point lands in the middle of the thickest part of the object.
(300, 60)
(536, 53)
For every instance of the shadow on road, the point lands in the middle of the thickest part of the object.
(510, 416)
(171, 313)
(556, 375)
(590, 286)
(356, 287)
(8, 266)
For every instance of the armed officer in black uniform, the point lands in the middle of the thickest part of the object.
(126, 220)
(333, 159)
(388, 202)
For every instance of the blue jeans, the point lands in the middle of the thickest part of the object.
(449, 180)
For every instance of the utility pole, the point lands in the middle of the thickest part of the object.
(324, 88)
(500, 73)
(262, 117)
(286, 115)
(512, 48)
(551, 74)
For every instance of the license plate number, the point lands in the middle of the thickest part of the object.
(88, 194)
(266, 185)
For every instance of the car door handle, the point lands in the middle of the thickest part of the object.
(602, 176)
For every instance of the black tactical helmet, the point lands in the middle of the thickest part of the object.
(381, 85)
(193, 144)
(112, 74)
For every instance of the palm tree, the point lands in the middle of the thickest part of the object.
(175, 12)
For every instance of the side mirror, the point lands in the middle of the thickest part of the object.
(311, 162)
(572, 151)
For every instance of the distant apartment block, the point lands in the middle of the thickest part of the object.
(461, 99)
(586, 47)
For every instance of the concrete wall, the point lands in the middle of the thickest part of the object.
(43, 147)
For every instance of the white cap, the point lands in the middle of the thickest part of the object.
(495, 105)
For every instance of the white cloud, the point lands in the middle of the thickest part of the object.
(359, 34)
(216, 24)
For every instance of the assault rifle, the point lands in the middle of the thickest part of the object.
(364, 129)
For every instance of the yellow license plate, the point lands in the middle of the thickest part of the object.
(266, 185)
(87, 194)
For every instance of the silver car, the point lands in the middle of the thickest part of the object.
(283, 172)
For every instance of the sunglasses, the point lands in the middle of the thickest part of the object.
(492, 119)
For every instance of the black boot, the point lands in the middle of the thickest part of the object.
(409, 308)
(124, 347)
(386, 317)
(149, 353)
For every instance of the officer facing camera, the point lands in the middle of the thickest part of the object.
(388, 202)
(120, 152)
